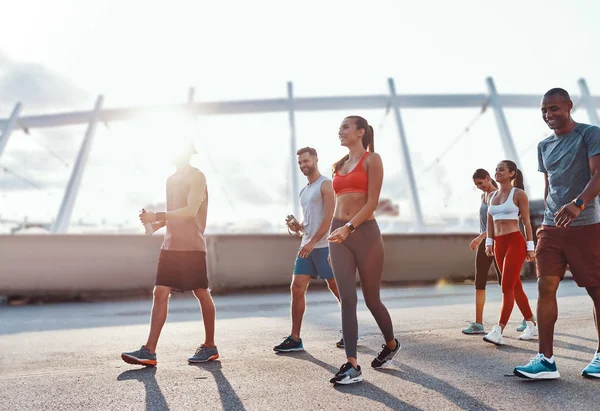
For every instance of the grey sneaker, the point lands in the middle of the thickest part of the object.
(474, 328)
(347, 375)
(385, 356)
(140, 357)
(204, 353)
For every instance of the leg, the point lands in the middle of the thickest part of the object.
(207, 305)
(160, 306)
(511, 277)
(332, 285)
(370, 258)
(479, 304)
(298, 289)
(595, 294)
(547, 313)
(344, 269)
(523, 302)
(482, 268)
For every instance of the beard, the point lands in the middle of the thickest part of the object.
(308, 171)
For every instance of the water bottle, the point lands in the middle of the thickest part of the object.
(148, 226)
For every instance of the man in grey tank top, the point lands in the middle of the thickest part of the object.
(182, 261)
(318, 201)
(570, 233)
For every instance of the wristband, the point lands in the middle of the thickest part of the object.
(530, 246)
(161, 216)
(489, 242)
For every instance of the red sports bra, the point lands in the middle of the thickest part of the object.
(356, 181)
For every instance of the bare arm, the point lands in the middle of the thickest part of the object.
(490, 226)
(328, 206)
(545, 188)
(195, 198)
(375, 180)
(158, 225)
(523, 204)
(592, 189)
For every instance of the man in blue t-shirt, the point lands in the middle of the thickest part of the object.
(570, 233)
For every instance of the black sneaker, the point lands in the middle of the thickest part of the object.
(289, 344)
(340, 343)
(347, 375)
(385, 356)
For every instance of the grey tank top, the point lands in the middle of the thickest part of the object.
(483, 211)
(313, 210)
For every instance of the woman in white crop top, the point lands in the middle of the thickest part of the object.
(506, 242)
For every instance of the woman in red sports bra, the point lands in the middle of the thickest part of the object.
(356, 242)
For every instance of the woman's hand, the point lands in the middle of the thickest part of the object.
(339, 235)
(489, 251)
(530, 256)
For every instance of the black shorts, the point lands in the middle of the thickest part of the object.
(182, 270)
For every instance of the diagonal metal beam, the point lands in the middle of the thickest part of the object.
(9, 126)
(66, 209)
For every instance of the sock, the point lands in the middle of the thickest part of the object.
(550, 360)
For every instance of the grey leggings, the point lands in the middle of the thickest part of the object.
(363, 249)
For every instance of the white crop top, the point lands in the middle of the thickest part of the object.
(505, 211)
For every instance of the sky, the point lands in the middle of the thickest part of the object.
(59, 56)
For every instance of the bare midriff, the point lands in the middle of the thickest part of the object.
(349, 204)
(503, 227)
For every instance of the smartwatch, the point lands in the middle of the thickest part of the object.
(350, 226)
(579, 203)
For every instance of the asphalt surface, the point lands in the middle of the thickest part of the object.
(67, 356)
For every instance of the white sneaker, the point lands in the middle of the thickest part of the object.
(530, 332)
(494, 336)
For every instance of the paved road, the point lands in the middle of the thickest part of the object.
(66, 356)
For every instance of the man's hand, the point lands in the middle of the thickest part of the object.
(489, 251)
(475, 243)
(566, 215)
(147, 217)
(306, 250)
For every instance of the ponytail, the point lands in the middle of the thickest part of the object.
(368, 139)
(518, 180)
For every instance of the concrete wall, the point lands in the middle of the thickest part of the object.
(35, 264)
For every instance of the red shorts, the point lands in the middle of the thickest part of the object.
(578, 247)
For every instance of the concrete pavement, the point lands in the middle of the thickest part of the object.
(66, 356)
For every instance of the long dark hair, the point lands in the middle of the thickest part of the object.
(367, 140)
(481, 174)
(517, 179)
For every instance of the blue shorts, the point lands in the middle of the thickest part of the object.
(316, 265)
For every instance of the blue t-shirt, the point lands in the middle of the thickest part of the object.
(565, 159)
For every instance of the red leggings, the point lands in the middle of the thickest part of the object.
(510, 251)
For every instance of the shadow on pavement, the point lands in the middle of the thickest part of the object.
(229, 399)
(453, 394)
(155, 400)
(362, 389)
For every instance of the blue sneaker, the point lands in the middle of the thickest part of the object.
(523, 325)
(538, 369)
(593, 368)
(474, 328)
